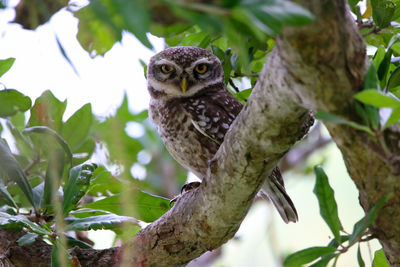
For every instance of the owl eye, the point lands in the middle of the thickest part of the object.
(201, 68)
(166, 68)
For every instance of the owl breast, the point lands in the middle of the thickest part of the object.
(185, 143)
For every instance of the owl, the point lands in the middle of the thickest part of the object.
(192, 111)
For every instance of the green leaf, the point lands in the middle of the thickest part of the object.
(48, 131)
(225, 58)
(335, 119)
(77, 185)
(327, 203)
(65, 55)
(27, 239)
(383, 68)
(373, 116)
(323, 262)
(95, 35)
(18, 120)
(397, 10)
(377, 99)
(334, 243)
(103, 182)
(353, 3)
(23, 144)
(394, 80)
(268, 15)
(85, 151)
(5, 65)
(359, 257)
(77, 128)
(244, 95)
(38, 195)
(84, 212)
(382, 12)
(168, 31)
(5, 196)
(380, 259)
(19, 221)
(136, 18)
(14, 171)
(47, 111)
(101, 24)
(360, 227)
(12, 101)
(394, 117)
(371, 78)
(307, 255)
(144, 65)
(146, 207)
(72, 242)
(109, 221)
(377, 60)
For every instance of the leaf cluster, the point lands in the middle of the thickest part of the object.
(49, 183)
(342, 241)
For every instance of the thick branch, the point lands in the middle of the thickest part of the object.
(205, 218)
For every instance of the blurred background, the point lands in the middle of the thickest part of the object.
(50, 57)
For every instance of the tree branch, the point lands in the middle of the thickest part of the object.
(205, 218)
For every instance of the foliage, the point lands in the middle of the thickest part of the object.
(49, 181)
(342, 240)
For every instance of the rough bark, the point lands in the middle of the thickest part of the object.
(319, 67)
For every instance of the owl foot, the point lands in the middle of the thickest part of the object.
(185, 188)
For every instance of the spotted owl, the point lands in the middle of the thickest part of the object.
(193, 110)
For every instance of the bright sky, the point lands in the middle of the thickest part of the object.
(102, 81)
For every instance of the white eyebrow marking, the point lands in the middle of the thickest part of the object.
(201, 60)
(166, 61)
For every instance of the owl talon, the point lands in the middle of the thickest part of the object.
(185, 188)
(189, 186)
(172, 201)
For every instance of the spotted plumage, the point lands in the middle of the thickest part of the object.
(193, 110)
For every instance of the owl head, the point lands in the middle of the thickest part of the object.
(182, 72)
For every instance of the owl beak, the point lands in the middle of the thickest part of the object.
(184, 84)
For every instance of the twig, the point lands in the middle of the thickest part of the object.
(35, 161)
(233, 85)
(215, 39)
(368, 238)
(236, 75)
(373, 31)
(363, 25)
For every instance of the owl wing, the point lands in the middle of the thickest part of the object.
(213, 113)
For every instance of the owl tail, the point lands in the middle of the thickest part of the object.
(274, 190)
